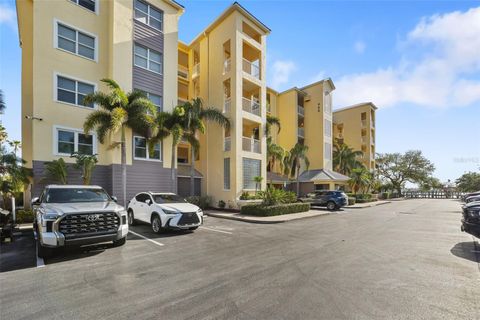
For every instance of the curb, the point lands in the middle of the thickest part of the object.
(256, 221)
(370, 206)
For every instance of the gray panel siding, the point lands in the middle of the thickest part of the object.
(143, 79)
(184, 186)
(101, 176)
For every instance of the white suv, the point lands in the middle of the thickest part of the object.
(164, 211)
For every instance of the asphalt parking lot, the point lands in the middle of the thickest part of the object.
(404, 260)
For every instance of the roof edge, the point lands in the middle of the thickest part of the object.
(357, 105)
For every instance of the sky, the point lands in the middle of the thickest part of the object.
(418, 61)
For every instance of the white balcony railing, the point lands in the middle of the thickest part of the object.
(251, 106)
(301, 110)
(227, 143)
(251, 69)
(372, 123)
(251, 145)
(364, 123)
(227, 64)
(196, 70)
(301, 132)
(227, 105)
(183, 71)
(364, 139)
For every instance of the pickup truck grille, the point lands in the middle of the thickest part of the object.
(188, 218)
(89, 224)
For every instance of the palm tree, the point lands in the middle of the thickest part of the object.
(56, 170)
(3, 106)
(258, 180)
(275, 153)
(194, 121)
(345, 159)
(118, 111)
(272, 121)
(86, 163)
(297, 155)
(16, 145)
(360, 179)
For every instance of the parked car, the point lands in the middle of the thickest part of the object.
(472, 198)
(333, 200)
(67, 215)
(164, 211)
(471, 218)
(471, 194)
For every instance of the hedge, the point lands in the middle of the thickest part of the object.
(366, 200)
(24, 216)
(351, 201)
(275, 210)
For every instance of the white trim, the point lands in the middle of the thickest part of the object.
(148, 58)
(146, 148)
(55, 39)
(97, 6)
(149, 6)
(76, 131)
(55, 89)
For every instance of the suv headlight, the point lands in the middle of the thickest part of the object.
(199, 211)
(170, 212)
(474, 213)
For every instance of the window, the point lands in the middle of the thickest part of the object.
(142, 197)
(251, 169)
(87, 4)
(76, 42)
(147, 14)
(147, 58)
(328, 151)
(328, 127)
(226, 173)
(141, 151)
(327, 103)
(69, 141)
(156, 100)
(73, 91)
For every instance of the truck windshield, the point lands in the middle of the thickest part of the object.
(68, 195)
(168, 198)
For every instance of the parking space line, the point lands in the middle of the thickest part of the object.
(40, 262)
(221, 231)
(148, 239)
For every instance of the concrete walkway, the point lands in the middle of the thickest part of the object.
(367, 205)
(267, 220)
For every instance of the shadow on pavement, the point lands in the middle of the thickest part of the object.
(145, 230)
(19, 254)
(72, 253)
(467, 250)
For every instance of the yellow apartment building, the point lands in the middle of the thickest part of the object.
(355, 126)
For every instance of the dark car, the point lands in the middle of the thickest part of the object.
(333, 200)
(471, 219)
(471, 194)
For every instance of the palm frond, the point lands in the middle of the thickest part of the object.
(99, 98)
(112, 84)
(215, 115)
(98, 119)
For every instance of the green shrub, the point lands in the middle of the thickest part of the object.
(247, 196)
(351, 201)
(221, 204)
(24, 216)
(203, 202)
(273, 196)
(366, 200)
(262, 210)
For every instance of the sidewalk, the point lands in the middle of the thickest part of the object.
(367, 205)
(267, 220)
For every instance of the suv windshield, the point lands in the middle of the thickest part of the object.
(67, 195)
(168, 198)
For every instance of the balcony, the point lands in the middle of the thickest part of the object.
(364, 140)
(251, 69)
(227, 144)
(251, 106)
(227, 65)
(182, 71)
(196, 70)
(251, 145)
(227, 105)
(301, 132)
(372, 156)
(301, 110)
(364, 123)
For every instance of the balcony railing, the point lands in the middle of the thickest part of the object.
(183, 71)
(251, 106)
(227, 143)
(227, 64)
(372, 123)
(301, 132)
(251, 69)
(364, 139)
(364, 123)
(301, 110)
(251, 145)
(196, 70)
(227, 105)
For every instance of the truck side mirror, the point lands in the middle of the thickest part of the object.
(114, 198)
(35, 201)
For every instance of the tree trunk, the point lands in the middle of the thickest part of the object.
(192, 172)
(124, 168)
(174, 183)
(298, 181)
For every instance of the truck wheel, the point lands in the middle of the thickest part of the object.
(157, 224)
(44, 252)
(119, 242)
(331, 205)
(131, 218)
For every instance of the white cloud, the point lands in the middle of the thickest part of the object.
(359, 47)
(7, 16)
(282, 69)
(443, 76)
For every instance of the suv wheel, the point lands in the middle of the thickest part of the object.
(156, 224)
(131, 218)
(331, 205)
(119, 242)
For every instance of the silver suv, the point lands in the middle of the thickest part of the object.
(77, 215)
